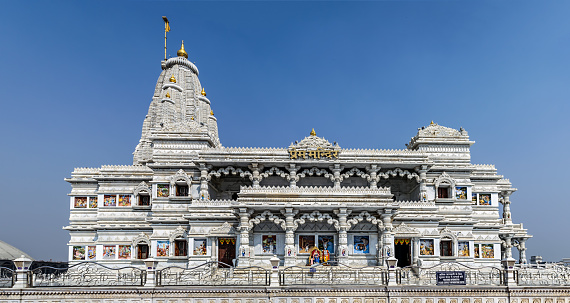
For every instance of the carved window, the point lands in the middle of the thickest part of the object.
(182, 190)
(446, 248)
(142, 251)
(144, 199)
(443, 192)
(180, 247)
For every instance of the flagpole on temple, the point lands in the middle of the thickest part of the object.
(166, 30)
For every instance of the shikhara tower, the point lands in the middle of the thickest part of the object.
(187, 199)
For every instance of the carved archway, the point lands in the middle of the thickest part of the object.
(316, 216)
(267, 215)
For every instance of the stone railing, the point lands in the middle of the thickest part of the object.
(213, 273)
(92, 274)
(325, 274)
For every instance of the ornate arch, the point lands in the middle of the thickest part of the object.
(275, 171)
(179, 232)
(230, 170)
(399, 172)
(316, 216)
(444, 178)
(142, 187)
(315, 171)
(267, 215)
(354, 171)
(447, 233)
(141, 238)
(365, 216)
(180, 176)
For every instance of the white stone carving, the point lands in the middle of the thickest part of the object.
(267, 215)
(316, 216)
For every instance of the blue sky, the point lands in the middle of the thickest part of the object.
(77, 78)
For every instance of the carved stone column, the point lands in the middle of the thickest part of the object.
(423, 175)
(507, 207)
(244, 249)
(290, 250)
(292, 168)
(379, 247)
(507, 245)
(387, 235)
(336, 169)
(256, 177)
(522, 251)
(204, 178)
(372, 171)
(342, 253)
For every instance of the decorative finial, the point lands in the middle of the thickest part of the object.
(313, 132)
(192, 118)
(167, 94)
(211, 112)
(181, 52)
(203, 92)
(432, 123)
(172, 79)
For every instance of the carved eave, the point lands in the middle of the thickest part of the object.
(322, 196)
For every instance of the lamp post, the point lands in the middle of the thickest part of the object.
(22, 268)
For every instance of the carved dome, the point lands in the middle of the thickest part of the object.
(312, 141)
(437, 134)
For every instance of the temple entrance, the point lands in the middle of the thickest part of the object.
(403, 252)
(226, 251)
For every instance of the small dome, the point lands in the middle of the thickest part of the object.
(181, 52)
(9, 252)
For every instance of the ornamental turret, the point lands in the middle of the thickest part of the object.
(179, 114)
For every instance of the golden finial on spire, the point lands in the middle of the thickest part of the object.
(211, 112)
(431, 123)
(192, 118)
(181, 52)
(313, 132)
(172, 79)
(203, 92)
(167, 94)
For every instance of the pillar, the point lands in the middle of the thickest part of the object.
(380, 245)
(342, 252)
(290, 249)
(151, 265)
(522, 251)
(292, 178)
(387, 235)
(336, 169)
(423, 191)
(372, 171)
(507, 208)
(255, 175)
(22, 268)
(214, 249)
(204, 178)
(244, 249)
(508, 254)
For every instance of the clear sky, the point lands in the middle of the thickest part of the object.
(76, 79)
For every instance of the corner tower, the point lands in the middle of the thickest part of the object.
(179, 117)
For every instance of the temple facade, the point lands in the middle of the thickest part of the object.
(187, 199)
